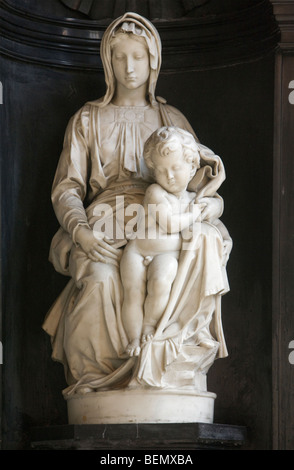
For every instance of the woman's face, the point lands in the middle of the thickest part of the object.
(130, 62)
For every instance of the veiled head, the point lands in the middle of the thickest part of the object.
(141, 30)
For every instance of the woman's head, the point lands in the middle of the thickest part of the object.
(141, 31)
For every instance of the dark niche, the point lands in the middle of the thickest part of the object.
(195, 35)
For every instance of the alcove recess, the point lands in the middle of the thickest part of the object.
(218, 69)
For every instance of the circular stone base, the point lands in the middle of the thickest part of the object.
(141, 406)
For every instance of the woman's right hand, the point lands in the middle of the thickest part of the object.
(98, 249)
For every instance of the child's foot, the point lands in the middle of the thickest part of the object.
(133, 348)
(148, 333)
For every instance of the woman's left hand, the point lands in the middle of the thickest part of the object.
(213, 208)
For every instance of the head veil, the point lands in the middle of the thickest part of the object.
(140, 26)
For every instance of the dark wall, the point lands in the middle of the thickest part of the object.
(38, 102)
(54, 8)
(100, 9)
(283, 230)
(231, 110)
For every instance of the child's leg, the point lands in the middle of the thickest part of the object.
(160, 276)
(133, 276)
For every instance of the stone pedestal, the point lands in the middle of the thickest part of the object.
(141, 406)
(132, 437)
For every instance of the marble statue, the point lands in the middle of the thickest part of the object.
(139, 323)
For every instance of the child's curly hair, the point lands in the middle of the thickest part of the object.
(168, 139)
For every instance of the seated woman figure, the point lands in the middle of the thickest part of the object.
(101, 161)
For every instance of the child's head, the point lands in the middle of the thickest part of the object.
(173, 154)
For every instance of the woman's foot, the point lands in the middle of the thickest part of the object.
(205, 342)
(84, 390)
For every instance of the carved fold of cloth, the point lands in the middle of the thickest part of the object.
(85, 322)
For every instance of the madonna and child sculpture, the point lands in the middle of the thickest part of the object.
(138, 325)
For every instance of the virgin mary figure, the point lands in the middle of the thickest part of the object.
(102, 161)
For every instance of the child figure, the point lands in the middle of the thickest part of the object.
(149, 262)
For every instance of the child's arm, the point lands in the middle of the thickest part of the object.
(163, 214)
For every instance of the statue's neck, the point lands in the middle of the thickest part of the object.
(124, 97)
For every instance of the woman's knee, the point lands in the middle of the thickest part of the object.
(91, 273)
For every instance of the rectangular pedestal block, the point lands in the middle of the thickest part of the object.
(188, 436)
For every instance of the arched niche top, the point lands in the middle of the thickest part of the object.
(189, 43)
(111, 9)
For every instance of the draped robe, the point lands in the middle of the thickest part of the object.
(102, 161)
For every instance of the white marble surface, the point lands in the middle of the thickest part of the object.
(141, 406)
